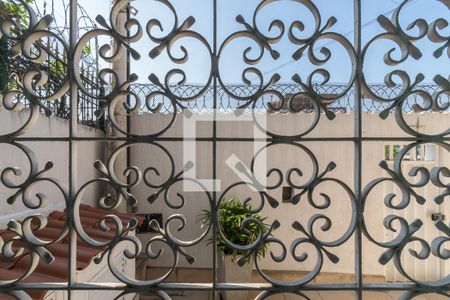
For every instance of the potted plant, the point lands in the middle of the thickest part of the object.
(237, 223)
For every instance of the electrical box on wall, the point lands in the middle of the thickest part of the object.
(286, 194)
(437, 217)
(145, 226)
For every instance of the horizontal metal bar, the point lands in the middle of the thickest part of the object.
(219, 286)
(217, 139)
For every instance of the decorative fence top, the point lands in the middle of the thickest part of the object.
(226, 102)
(55, 64)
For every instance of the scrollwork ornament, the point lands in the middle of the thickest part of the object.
(111, 106)
(264, 43)
(404, 42)
(437, 175)
(437, 246)
(110, 54)
(165, 236)
(277, 177)
(110, 223)
(430, 102)
(28, 42)
(319, 101)
(25, 190)
(311, 238)
(435, 36)
(162, 187)
(263, 238)
(396, 247)
(31, 48)
(11, 27)
(167, 43)
(113, 223)
(391, 219)
(269, 293)
(110, 202)
(405, 234)
(422, 254)
(438, 98)
(24, 242)
(35, 176)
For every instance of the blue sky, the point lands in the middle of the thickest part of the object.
(231, 64)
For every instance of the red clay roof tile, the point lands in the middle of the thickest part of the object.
(57, 271)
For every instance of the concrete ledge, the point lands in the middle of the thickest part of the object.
(205, 275)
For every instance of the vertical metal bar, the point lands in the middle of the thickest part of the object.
(358, 148)
(72, 259)
(4, 63)
(214, 219)
(120, 69)
(128, 122)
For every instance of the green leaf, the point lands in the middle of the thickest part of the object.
(231, 215)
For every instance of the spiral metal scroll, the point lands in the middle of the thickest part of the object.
(264, 44)
(168, 42)
(406, 234)
(311, 89)
(178, 247)
(114, 93)
(28, 42)
(25, 238)
(117, 193)
(268, 294)
(307, 232)
(404, 42)
(152, 178)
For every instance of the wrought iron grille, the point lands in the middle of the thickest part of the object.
(89, 111)
(55, 68)
(129, 180)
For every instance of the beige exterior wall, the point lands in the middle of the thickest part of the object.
(285, 157)
(281, 156)
(57, 152)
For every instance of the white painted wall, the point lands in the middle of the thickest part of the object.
(57, 152)
(284, 157)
